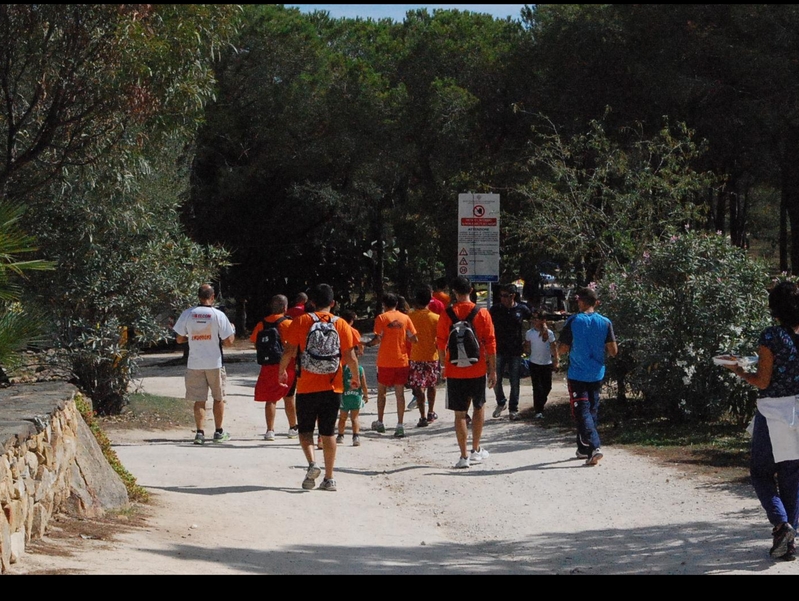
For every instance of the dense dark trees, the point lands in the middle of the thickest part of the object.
(337, 147)
(97, 105)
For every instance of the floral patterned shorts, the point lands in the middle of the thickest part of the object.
(424, 374)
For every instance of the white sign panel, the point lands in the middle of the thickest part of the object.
(478, 237)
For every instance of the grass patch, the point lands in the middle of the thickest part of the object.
(153, 412)
(720, 449)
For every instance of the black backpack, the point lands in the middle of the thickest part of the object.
(464, 348)
(268, 345)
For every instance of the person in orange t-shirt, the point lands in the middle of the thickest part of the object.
(268, 389)
(393, 331)
(425, 368)
(439, 292)
(467, 385)
(319, 394)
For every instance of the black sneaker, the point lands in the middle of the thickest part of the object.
(422, 422)
(594, 459)
(784, 535)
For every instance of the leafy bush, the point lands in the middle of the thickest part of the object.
(689, 297)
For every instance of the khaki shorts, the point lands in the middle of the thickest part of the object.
(198, 381)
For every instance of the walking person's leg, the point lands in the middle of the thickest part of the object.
(290, 407)
(399, 394)
(306, 423)
(499, 392)
(771, 491)
(270, 412)
(514, 376)
(378, 425)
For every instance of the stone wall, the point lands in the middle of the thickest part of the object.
(50, 462)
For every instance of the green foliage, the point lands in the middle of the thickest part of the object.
(594, 201)
(20, 325)
(344, 143)
(97, 102)
(125, 267)
(689, 297)
(77, 79)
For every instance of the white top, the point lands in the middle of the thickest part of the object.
(540, 350)
(205, 327)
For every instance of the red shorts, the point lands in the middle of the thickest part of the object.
(393, 376)
(268, 389)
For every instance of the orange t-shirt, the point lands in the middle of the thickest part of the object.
(483, 328)
(426, 323)
(298, 333)
(393, 326)
(283, 327)
(443, 297)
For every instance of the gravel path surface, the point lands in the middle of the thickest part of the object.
(400, 508)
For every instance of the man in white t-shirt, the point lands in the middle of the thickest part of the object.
(206, 329)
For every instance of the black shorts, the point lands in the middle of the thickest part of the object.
(322, 406)
(463, 391)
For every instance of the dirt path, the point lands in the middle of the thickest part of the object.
(531, 508)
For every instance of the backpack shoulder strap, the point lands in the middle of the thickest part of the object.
(472, 314)
(451, 313)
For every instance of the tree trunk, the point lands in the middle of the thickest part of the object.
(783, 232)
(720, 212)
(378, 258)
(790, 190)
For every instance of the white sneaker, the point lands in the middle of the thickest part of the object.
(539, 416)
(514, 416)
(294, 432)
(411, 405)
(270, 435)
(595, 458)
(498, 411)
(463, 462)
(478, 455)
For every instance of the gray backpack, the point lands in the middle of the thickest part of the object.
(322, 352)
(463, 345)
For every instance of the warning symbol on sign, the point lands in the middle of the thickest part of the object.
(463, 270)
(478, 210)
(463, 262)
(463, 252)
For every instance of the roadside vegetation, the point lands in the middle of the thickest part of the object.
(718, 450)
(648, 150)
